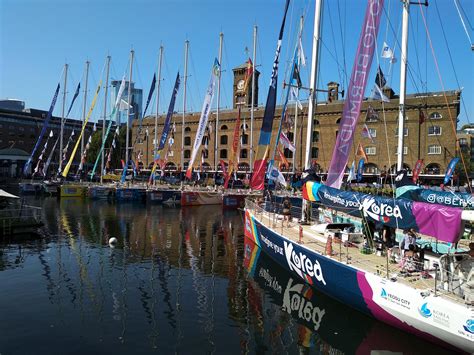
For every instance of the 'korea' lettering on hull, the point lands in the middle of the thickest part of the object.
(302, 265)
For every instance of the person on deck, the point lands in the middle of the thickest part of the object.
(286, 211)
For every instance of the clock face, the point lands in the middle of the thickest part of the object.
(240, 84)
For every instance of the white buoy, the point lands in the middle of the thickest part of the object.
(112, 241)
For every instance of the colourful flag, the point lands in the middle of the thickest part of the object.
(286, 142)
(276, 175)
(387, 52)
(366, 133)
(450, 170)
(361, 152)
(353, 102)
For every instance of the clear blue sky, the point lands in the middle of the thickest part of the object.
(38, 36)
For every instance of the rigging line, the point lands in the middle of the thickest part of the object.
(199, 92)
(452, 62)
(444, 95)
(225, 75)
(465, 15)
(334, 40)
(338, 65)
(414, 41)
(344, 83)
(463, 24)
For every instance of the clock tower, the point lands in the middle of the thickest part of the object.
(242, 92)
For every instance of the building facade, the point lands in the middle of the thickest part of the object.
(431, 138)
(136, 101)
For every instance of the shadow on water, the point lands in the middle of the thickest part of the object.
(177, 281)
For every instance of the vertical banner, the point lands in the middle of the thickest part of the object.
(417, 169)
(43, 131)
(206, 108)
(235, 149)
(357, 84)
(450, 170)
(360, 170)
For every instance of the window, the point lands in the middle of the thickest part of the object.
(187, 140)
(187, 154)
(204, 139)
(315, 122)
(370, 150)
(373, 132)
(338, 120)
(243, 153)
(463, 142)
(314, 152)
(205, 153)
(288, 153)
(405, 150)
(316, 136)
(223, 127)
(434, 131)
(405, 132)
(245, 139)
(436, 116)
(434, 149)
(187, 129)
(289, 135)
(223, 140)
(223, 153)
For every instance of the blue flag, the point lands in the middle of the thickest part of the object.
(360, 170)
(76, 94)
(150, 93)
(450, 170)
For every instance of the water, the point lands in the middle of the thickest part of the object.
(178, 281)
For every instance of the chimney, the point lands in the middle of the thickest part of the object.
(333, 91)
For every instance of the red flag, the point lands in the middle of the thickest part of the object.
(361, 152)
(417, 169)
(258, 178)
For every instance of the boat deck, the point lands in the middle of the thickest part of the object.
(354, 256)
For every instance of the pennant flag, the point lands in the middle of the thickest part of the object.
(352, 174)
(366, 133)
(286, 142)
(421, 117)
(206, 108)
(361, 152)
(76, 94)
(360, 170)
(377, 94)
(276, 175)
(417, 169)
(301, 56)
(248, 74)
(150, 93)
(450, 170)
(387, 52)
(43, 131)
(283, 160)
(353, 102)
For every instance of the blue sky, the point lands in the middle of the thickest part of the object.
(38, 36)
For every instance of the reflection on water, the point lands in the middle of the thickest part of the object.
(178, 281)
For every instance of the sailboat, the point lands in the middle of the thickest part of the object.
(425, 298)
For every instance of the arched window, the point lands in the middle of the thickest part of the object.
(246, 126)
(338, 120)
(371, 168)
(244, 153)
(187, 154)
(170, 166)
(223, 140)
(224, 127)
(223, 153)
(436, 116)
(206, 167)
(187, 129)
(433, 169)
(187, 140)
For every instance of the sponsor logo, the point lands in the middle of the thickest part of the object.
(424, 310)
(390, 297)
(382, 213)
(450, 200)
(469, 327)
(302, 265)
(248, 226)
(270, 281)
(294, 302)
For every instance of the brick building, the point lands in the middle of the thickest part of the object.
(434, 140)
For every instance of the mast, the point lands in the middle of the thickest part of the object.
(312, 95)
(253, 95)
(66, 66)
(221, 39)
(295, 129)
(403, 79)
(84, 105)
(186, 47)
(102, 162)
(132, 52)
(155, 142)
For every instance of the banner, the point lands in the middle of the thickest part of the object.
(441, 222)
(446, 198)
(206, 108)
(360, 170)
(235, 149)
(43, 131)
(355, 92)
(417, 169)
(450, 170)
(68, 166)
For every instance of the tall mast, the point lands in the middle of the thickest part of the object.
(312, 85)
(84, 105)
(254, 58)
(403, 78)
(186, 47)
(306, 210)
(132, 52)
(295, 129)
(102, 162)
(63, 119)
(221, 39)
(155, 141)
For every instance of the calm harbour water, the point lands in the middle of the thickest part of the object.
(179, 281)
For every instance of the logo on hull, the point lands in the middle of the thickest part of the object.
(424, 310)
(302, 265)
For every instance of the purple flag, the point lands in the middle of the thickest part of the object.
(357, 84)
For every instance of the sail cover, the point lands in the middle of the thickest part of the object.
(443, 223)
(357, 83)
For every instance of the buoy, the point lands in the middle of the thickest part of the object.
(113, 241)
